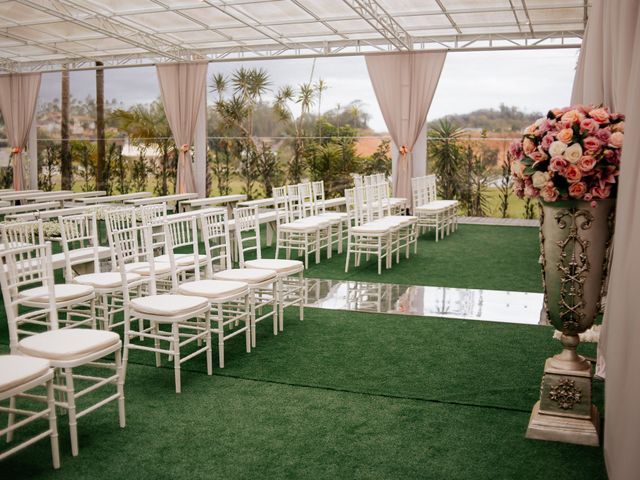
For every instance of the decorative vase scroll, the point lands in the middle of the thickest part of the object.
(574, 238)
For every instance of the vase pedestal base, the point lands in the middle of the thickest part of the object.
(564, 412)
(564, 429)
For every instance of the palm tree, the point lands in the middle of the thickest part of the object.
(147, 126)
(65, 150)
(285, 98)
(101, 145)
(445, 151)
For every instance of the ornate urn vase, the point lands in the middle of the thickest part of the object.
(574, 240)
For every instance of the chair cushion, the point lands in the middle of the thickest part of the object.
(168, 305)
(16, 370)
(182, 259)
(250, 275)
(299, 227)
(68, 344)
(144, 268)
(372, 228)
(63, 292)
(280, 266)
(334, 215)
(430, 207)
(105, 279)
(213, 288)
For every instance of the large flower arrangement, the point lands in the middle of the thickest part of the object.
(572, 153)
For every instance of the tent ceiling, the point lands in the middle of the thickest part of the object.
(44, 34)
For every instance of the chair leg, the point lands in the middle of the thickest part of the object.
(220, 320)
(280, 302)
(176, 355)
(207, 324)
(12, 418)
(301, 292)
(274, 312)
(247, 323)
(120, 389)
(253, 319)
(53, 426)
(71, 410)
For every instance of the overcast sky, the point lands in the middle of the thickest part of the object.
(533, 80)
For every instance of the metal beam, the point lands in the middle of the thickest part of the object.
(376, 16)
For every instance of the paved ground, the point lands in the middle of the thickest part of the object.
(512, 222)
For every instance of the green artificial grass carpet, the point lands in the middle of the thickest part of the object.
(339, 395)
(475, 256)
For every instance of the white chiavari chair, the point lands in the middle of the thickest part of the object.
(338, 220)
(229, 300)
(263, 284)
(167, 319)
(441, 215)
(28, 281)
(290, 287)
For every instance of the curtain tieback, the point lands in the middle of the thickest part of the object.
(16, 150)
(404, 151)
(185, 148)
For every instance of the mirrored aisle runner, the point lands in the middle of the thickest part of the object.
(463, 303)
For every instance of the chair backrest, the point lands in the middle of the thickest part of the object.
(79, 231)
(247, 232)
(318, 196)
(281, 205)
(355, 208)
(214, 227)
(431, 188)
(296, 210)
(25, 268)
(20, 234)
(122, 218)
(305, 194)
(126, 245)
(181, 233)
(357, 180)
(153, 215)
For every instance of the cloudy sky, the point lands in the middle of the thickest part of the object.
(533, 80)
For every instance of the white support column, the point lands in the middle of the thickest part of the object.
(32, 149)
(419, 156)
(200, 164)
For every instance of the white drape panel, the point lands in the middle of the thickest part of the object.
(18, 98)
(182, 86)
(622, 338)
(404, 84)
(609, 73)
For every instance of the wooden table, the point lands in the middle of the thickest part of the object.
(29, 195)
(53, 213)
(30, 207)
(114, 198)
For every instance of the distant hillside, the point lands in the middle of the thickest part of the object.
(505, 119)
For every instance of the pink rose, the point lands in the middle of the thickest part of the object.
(600, 115)
(531, 191)
(591, 144)
(565, 135)
(577, 190)
(547, 140)
(558, 164)
(537, 156)
(518, 187)
(601, 192)
(587, 197)
(618, 127)
(604, 134)
(616, 140)
(528, 146)
(515, 149)
(583, 108)
(549, 193)
(531, 129)
(573, 174)
(571, 117)
(586, 163)
(589, 125)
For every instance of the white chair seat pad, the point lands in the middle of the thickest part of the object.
(250, 275)
(213, 289)
(280, 266)
(299, 227)
(105, 279)
(144, 268)
(68, 344)
(430, 208)
(182, 259)
(372, 228)
(169, 305)
(62, 292)
(334, 215)
(16, 370)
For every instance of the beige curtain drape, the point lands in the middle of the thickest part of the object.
(609, 73)
(183, 89)
(404, 84)
(18, 98)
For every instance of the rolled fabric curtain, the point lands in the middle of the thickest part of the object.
(183, 89)
(18, 98)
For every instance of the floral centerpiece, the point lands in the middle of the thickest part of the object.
(572, 153)
(570, 161)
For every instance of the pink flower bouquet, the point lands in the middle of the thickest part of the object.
(572, 153)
